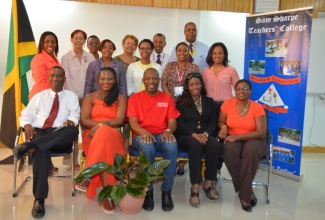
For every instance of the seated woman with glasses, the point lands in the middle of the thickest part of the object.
(102, 114)
(242, 124)
(195, 128)
(134, 73)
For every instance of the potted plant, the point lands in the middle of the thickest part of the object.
(128, 185)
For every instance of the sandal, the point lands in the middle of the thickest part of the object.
(83, 185)
(209, 190)
(108, 205)
(180, 172)
(194, 198)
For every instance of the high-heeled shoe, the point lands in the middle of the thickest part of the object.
(247, 208)
(254, 200)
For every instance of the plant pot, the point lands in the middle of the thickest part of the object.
(131, 205)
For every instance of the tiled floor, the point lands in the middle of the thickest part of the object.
(289, 199)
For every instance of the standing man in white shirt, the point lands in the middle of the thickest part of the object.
(198, 50)
(158, 55)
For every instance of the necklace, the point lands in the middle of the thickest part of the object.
(241, 114)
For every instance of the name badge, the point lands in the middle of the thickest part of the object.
(178, 90)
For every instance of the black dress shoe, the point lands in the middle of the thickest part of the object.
(167, 202)
(247, 208)
(254, 200)
(38, 210)
(148, 201)
(19, 150)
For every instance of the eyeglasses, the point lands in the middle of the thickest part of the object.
(193, 75)
(145, 48)
(245, 89)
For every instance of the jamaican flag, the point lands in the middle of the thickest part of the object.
(21, 50)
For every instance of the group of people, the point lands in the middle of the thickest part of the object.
(184, 101)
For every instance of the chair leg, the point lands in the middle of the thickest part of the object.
(15, 190)
(73, 170)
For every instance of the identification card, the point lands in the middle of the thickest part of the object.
(178, 90)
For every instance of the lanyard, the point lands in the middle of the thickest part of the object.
(179, 75)
(194, 49)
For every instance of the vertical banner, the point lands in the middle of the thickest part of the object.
(21, 50)
(276, 63)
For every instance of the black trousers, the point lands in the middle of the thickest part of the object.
(43, 141)
(211, 150)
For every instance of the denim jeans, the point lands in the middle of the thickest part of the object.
(169, 150)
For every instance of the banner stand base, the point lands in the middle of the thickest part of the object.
(282, 173)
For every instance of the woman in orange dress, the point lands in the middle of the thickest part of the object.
(103, 113)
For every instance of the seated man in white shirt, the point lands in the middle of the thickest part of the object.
(46, 111)
(198, 50)
(158, 55)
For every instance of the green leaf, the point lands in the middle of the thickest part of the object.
(142, 175)
(143, 160)
(136, 192)
(118, 160)
(94, 170)
(118, 192)
(121, 176)
(104, 193)
(160, 176)
(158, 167)
(137, 183)
(127, 165)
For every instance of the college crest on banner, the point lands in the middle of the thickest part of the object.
(276, 63)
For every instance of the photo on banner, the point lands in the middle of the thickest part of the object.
(276, 63)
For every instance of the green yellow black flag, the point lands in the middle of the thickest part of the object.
(21, 50)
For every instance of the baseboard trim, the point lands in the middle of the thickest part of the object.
(313, 149)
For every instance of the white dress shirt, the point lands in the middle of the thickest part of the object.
(164, 58)
(39, 108)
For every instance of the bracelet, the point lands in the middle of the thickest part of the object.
(222, 126)
(100, 124)
(206, 134)
(168, 130)
(106, 122)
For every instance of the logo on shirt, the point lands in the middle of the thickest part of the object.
(162, 104)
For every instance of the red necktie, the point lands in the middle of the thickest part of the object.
(190, 58)
(54, 112)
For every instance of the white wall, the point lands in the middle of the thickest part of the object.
(115, 21)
